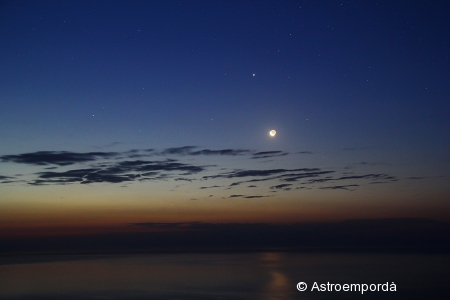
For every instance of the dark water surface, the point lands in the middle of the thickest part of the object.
(268, 275)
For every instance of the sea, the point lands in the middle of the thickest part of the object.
(255, 275)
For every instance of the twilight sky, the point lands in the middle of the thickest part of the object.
(118, 112)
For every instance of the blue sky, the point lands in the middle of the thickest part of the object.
(356, 89)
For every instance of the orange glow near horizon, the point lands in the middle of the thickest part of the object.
(47, 218)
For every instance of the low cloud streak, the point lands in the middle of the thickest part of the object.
(132, 166)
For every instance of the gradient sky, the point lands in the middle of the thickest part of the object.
(115, 112)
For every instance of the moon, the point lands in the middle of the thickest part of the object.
(272, 133)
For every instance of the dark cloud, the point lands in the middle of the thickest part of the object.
(289, 177)
(320, 180)
(268, 154)
(146, 166)
(136, 154)
(130, 166)
(354, 177)
(150, 174)
(304, 152)
(256, 173)
(280, 186)
(110, 178)
(264, 153)
(118, 172)
(188, 150)
(65, 158)
(183, 179)
(296, 177)
(9, 179)
(373, 163)
(368, 176)
(209, 187)
(60, 158)
(220, 152)
(247, 197)
(339, 187)
(133, 151)
(178, 150)
(83, 176)
(262, 179)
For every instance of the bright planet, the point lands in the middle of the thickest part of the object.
(272, 133)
